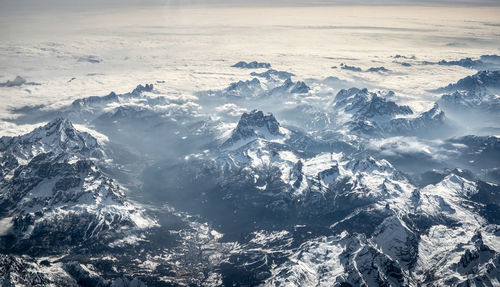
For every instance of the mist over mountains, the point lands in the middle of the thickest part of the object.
(348, 188)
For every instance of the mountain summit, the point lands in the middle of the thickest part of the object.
(58, 136)
(255, 124)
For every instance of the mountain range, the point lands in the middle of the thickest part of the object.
(347, 188)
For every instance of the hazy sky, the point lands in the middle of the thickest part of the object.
(34, 5)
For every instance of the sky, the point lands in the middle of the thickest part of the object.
(9, 6)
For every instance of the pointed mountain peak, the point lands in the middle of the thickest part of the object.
(300, 88)
(273, 75)
(59, 124)
(58, 136)
(59, 127)
(434, 113)
(479, 81)
(111, 97)
(380, 106)
(255, 124)
(352, 98)
(368, 163)
(140, 88)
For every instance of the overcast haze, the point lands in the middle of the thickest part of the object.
(9, 5)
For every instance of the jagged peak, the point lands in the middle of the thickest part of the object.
(140, 88)
(457, 185)
(346, 93)
(251, 65)
(367, 163)
(60, 126)
(272, 74)
(112, 97)
(479, 81)
(257, 119)
(381, 106)
(244, 84)
(434, 113)
(364, 104)
(300, 88)
(59, 136)
(255, 124)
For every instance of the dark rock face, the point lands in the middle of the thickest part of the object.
(350, 68)
(272, 75)
(254, 124)
(376, 116)
(481, 81)
(252, 65)
(300, 88)
(244, 88)
(381, 107)
(15, 272)
(366, 105)
(54, 192)
(378, 69)
(18, 81)
(112, 97)
(466, 63)
(257, 119)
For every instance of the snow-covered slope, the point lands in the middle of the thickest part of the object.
(433, 238)
(480, 82)
(371, 114)
(58, 136)
(473, 97)
(347, 188)
(53, 189)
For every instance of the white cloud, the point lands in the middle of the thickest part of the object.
(183, 50)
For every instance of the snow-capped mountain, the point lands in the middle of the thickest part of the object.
(472, 96)
(431, 123)
(404, 249)
(58, 135)
(254, 125)
(471, 101)
(89, 102)
(53, 189)
(265, 159)
(485, 62)
(291, 87)
(365, 105)
(386, 223)
(483, 81)
(247, 88)
(268, 84)
(369, 114)
(347, 188)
